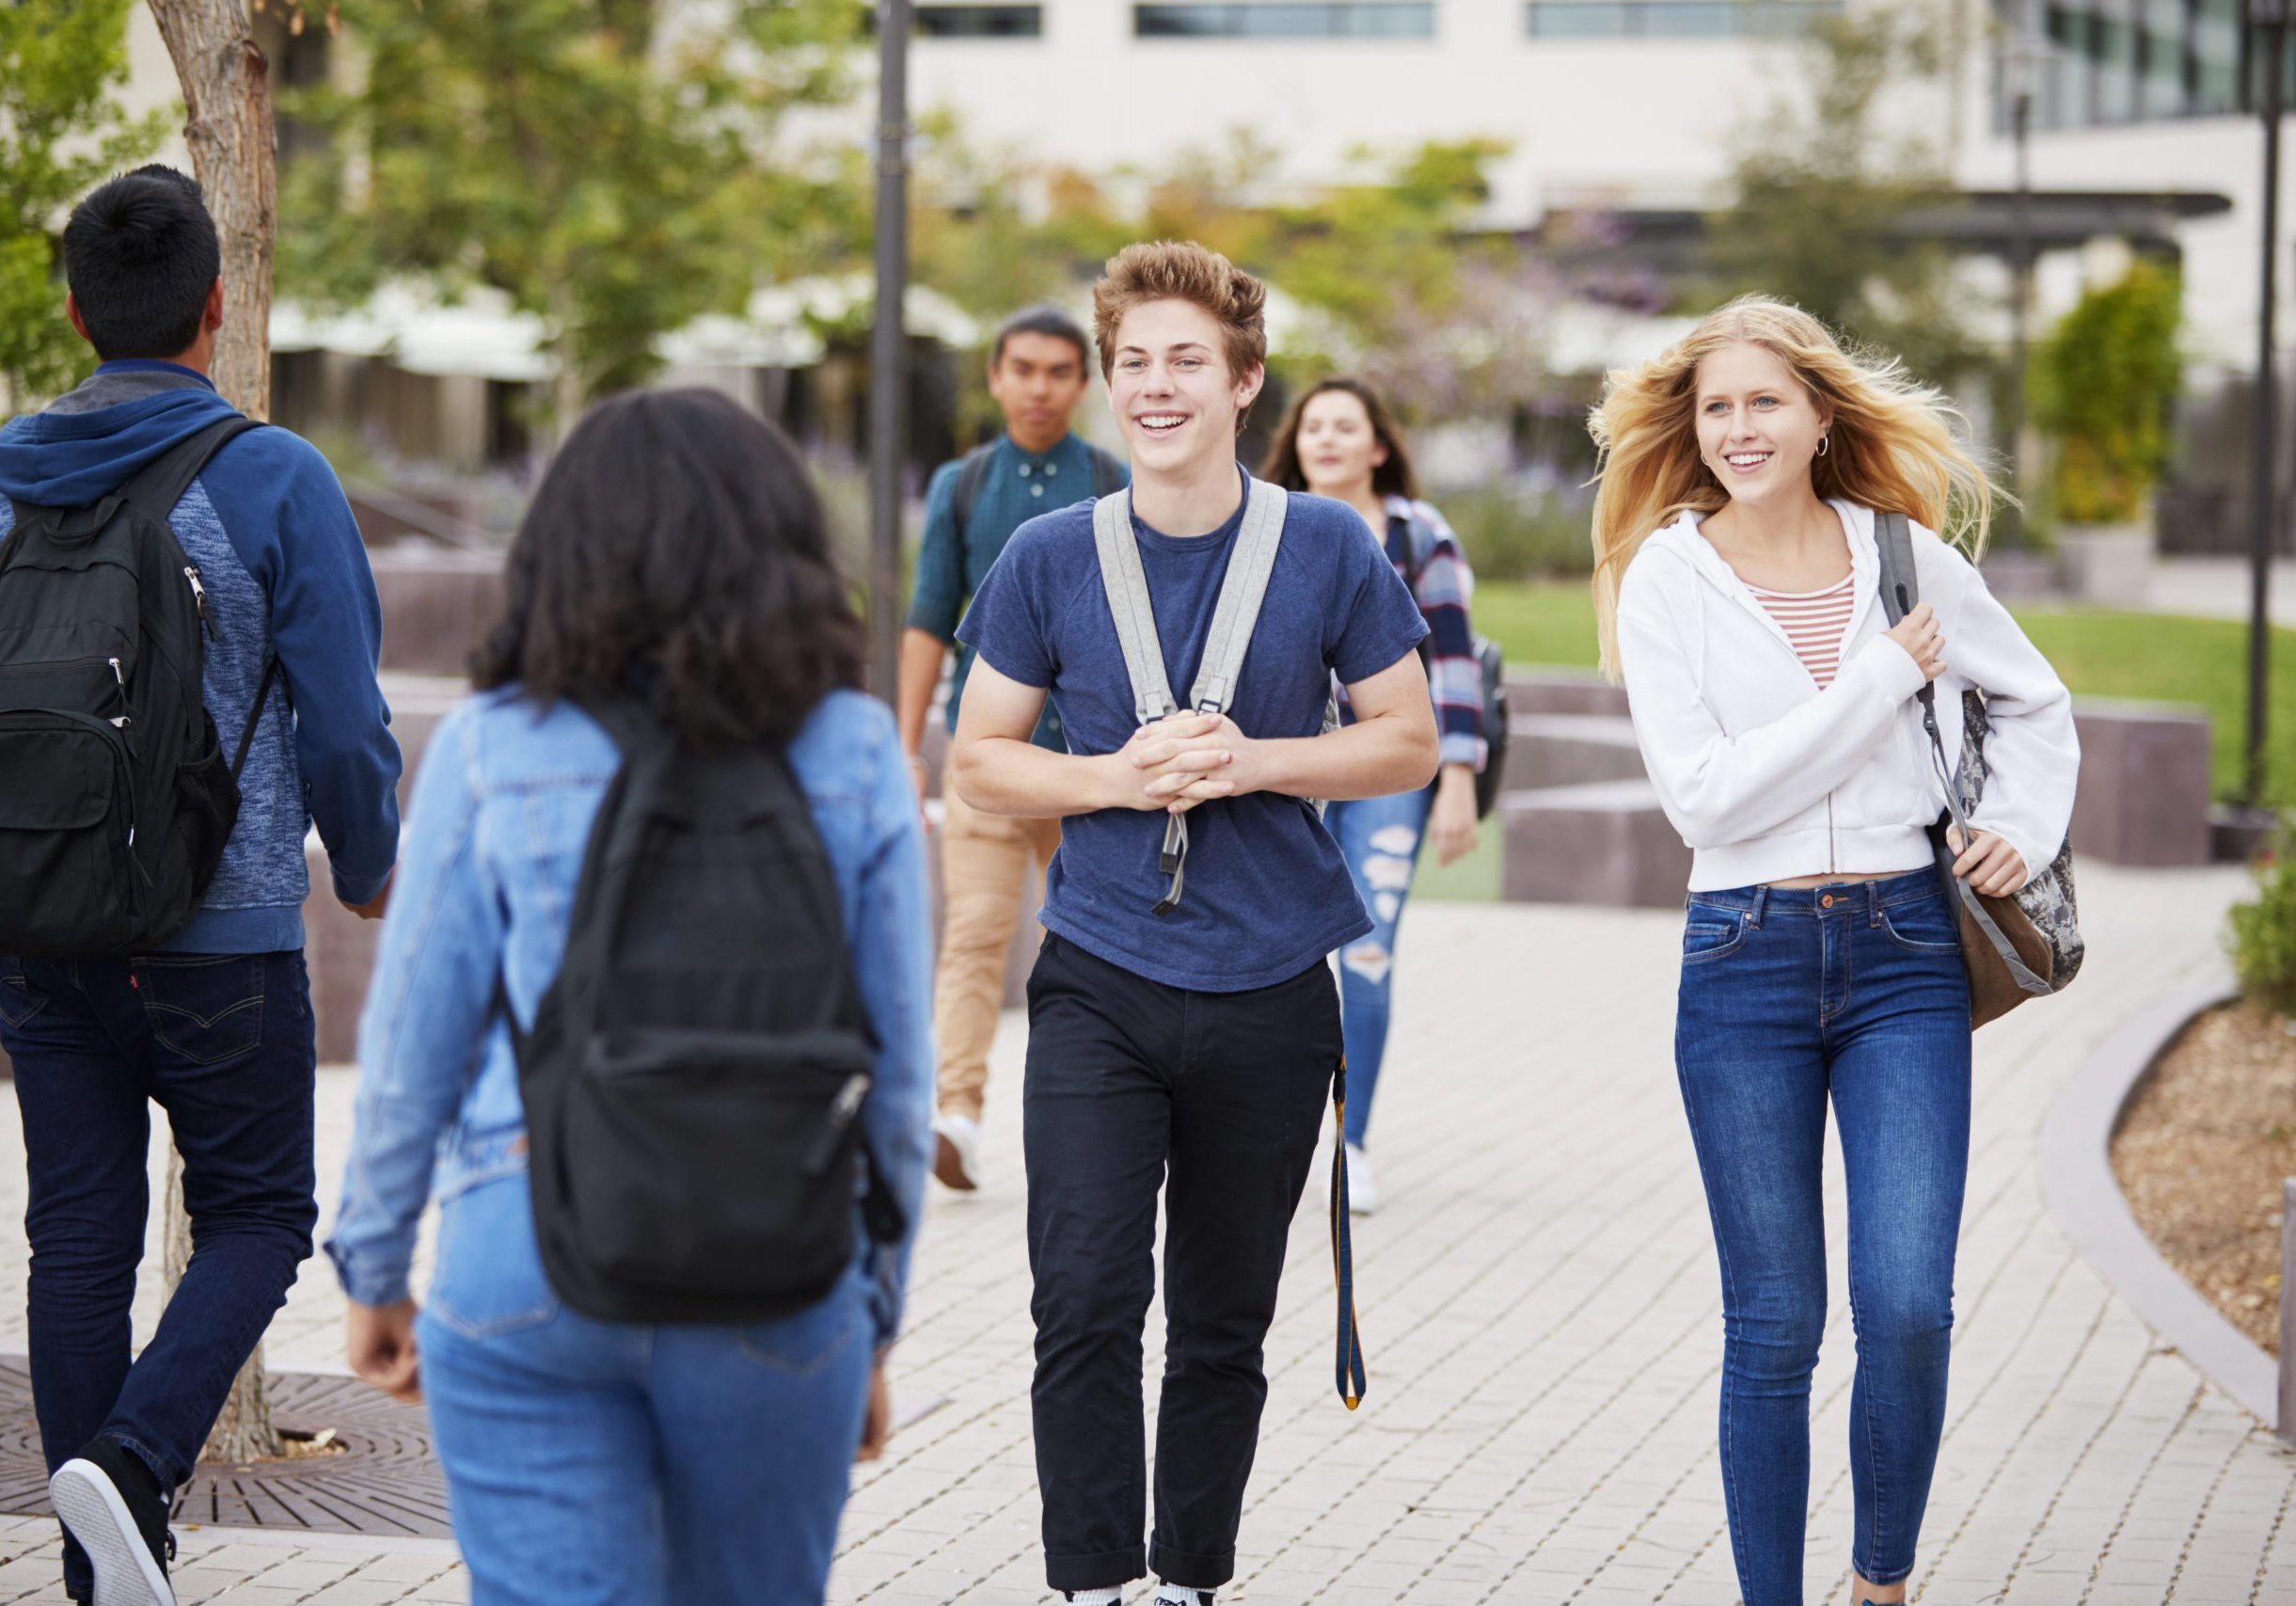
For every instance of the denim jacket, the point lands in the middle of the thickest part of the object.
(501, 812)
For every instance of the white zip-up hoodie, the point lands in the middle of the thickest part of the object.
(1767, 778)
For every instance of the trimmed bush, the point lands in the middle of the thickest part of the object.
(2261, 934)
(2102, 388)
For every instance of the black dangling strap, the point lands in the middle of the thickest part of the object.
(1349, 1371)
(255, 716)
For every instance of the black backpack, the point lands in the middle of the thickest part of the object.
(1492, 662)
(119, 798)
(694, 1079)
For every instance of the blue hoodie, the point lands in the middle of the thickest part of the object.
(286, 573)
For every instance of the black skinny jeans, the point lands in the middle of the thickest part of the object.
(1130, 1080)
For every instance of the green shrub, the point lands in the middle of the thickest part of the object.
(2102, 388)
(1518, 533)
(2262, 935)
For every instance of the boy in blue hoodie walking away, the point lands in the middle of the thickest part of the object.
(214, 1021)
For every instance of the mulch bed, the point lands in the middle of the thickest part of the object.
(2201, 1156)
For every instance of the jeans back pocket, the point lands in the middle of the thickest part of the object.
(19, 1003)
(204, 1008)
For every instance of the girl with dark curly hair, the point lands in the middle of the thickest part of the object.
(677, 550)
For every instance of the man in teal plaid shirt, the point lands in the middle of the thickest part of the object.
(1039, 372)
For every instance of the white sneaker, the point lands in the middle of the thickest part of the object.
(1362, 1192)
(957, 1155)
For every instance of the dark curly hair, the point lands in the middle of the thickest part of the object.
(677, 545)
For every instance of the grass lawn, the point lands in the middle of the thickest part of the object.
(2142, 657)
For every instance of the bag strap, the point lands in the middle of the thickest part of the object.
(1107, 473)
(1416, 551)
(970, 476)
(1241, 591)
(1901, 593)
(1347, 1372)
(255, 715)
(159, 485)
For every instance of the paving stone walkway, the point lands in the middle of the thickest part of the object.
(1542, 1312)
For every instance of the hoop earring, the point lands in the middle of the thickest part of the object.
(1823, 441)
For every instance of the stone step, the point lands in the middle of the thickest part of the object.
(2144, 777)
(1568, 750)
(1603, 842)
(437, 605)
(1549, 690)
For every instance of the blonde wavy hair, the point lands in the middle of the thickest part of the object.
(1891, 444)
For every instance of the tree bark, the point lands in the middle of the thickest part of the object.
(227, 124)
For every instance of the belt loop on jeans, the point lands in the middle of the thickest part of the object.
(1873, 903)
(1762, 899)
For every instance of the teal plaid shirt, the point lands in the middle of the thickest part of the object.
(950, 568)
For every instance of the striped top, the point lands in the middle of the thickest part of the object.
(1814, 622)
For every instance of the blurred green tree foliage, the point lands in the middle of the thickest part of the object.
(62, 131)
(2102, 391)
(1383, 274)
(616, 166)
(1826, 180)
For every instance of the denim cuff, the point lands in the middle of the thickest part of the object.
(381, 1281)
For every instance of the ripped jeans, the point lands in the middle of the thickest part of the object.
(1381, 837)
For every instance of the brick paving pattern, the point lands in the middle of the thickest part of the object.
(1543, 1318)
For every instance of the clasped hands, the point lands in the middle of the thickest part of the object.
(1188, 758)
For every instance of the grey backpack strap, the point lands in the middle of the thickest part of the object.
(1128, 605)
(1241, 591)
(1126, 587)
(1901, 587)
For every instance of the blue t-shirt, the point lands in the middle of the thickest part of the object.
(1268, 892)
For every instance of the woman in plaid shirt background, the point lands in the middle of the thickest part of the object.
(1339, 440)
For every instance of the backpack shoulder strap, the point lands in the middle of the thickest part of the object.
(1241, 594)
(1126, 585)
(1901, 587)
(1418, 546)
(1107, 473)
(159, 485)
(970, 478)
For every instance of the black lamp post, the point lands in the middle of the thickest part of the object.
(889, 345)
(2271, 18)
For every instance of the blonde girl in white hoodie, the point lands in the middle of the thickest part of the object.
(1737, 581)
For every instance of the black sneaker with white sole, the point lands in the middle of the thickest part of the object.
(116, 1509)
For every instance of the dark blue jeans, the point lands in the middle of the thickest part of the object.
(223, 1043)
(1853, 993)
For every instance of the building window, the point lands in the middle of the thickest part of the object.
(977, 22)
(2120, 61)
(1676, 19)
(1286, 19)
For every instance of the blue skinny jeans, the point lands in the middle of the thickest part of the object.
(1853, 993)
(597, 1463)
(1381, 838)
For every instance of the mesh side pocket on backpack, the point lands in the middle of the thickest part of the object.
(207, 805)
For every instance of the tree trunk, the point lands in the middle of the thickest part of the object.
(227, 124)
(566, 386)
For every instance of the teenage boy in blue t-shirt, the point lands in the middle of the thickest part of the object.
(1202, 1041)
